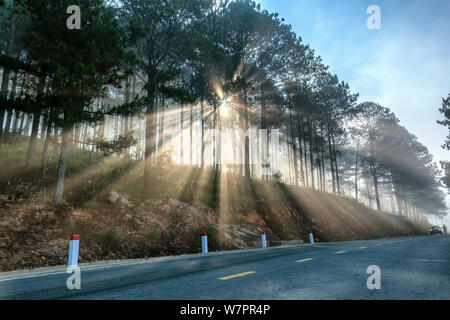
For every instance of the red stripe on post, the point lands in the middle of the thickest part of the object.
(204, 233)
(75, 237)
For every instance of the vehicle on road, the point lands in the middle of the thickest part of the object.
(436, 229)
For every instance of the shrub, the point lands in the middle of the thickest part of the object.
(109, 239)
(154, 235)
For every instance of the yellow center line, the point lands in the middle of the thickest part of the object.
(339, 252)
(304, 260)
(237, 275)
(362, 247)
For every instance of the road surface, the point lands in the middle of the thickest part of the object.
(411, 268)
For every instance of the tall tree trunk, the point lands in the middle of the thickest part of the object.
(101, 133)
(356, 169)
(86, 134)
(162, 120)
(5, 81)
(336, 166)
(219, 148)
(14, 85)
(149, 131)
(202, 118)
(127, 117)
(322, 158)
(116, 127)
(56, 145)
(22, 122)
(242, 127)
(2, 119)
(28, 125)
(191, 124)
(44, 159)
(7, 128)
(247, 139)
(181, 134)
(373, 171)
(369, 197)
(59, 192)
(377, 194)
(300, 149)
(263, 125)
(289, 162)
(16, 124)
(331, 165)
(305, 161)
(47, 141)
(406, 208)
(32, 140)
(294, 147)
(397, 198)
(78, 130)
(319, 164)
(34, 128)
(214, 142)
(311, 151)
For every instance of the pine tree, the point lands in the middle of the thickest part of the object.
(76, 65)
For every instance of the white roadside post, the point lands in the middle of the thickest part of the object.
(311, 237)
(204, 242)
(263, 239)
(73, 250)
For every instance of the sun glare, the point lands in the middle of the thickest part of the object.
(224, 108)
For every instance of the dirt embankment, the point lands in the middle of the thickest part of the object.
(118, 228)
(115, 228)
(336, 218)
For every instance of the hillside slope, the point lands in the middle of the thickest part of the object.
(116, 227)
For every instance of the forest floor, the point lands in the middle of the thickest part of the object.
(116, 219)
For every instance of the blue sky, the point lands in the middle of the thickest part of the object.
(404, 66)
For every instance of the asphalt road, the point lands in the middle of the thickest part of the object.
(411, 268)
